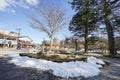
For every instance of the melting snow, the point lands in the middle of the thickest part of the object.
(65, 69)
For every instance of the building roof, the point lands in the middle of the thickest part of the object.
(8, 33)
(25, 38)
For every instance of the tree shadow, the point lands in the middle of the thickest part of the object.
(9, 71)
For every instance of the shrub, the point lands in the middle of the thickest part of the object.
(82, 59)
(40, 53)
(29, 55)
(54, 56)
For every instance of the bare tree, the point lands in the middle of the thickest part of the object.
(51, 20)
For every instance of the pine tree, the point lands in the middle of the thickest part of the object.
(85, 19)
(109, 12)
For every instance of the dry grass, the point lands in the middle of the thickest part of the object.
(56, 57)
(62, 56)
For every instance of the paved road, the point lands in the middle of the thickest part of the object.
(11, 72)
(5, 51)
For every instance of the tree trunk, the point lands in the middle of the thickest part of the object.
(86, 41)
(86, 27)
(51, 42)
(111, 40)
(76, 45)
(109, 28)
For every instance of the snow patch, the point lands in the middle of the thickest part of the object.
(65, 69)
(94, 61)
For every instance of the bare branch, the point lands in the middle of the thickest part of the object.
(52, 19)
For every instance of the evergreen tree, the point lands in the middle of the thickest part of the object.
(109, 12)
(90, 12)
(85, 19)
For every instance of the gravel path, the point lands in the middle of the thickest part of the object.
(11, 72)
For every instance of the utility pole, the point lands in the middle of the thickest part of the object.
(18, 45)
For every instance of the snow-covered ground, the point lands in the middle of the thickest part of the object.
(65, 69)
(118, 52)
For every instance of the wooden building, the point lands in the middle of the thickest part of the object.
(25, 42)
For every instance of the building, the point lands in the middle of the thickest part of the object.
(8, 39)
(25, 42)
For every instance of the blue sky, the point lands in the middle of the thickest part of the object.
(12, 16)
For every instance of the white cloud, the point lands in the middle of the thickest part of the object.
(32, 2)
(4, 4)
(20, 3)
(11, 11)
